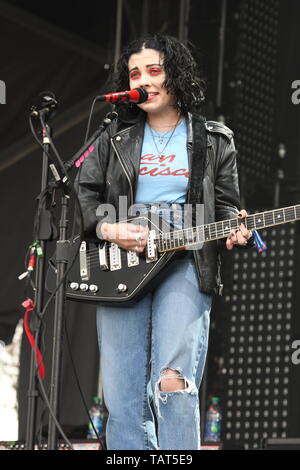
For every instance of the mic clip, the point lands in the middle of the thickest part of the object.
(44, 105)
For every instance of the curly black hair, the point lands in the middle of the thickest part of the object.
(183, 78)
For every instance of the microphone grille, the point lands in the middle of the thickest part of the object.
(143, 95)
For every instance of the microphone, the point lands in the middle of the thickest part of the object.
(137, 95)
(46, 103)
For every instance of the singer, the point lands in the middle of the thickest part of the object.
(160, 151)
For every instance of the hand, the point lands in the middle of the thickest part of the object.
(131, 237)
(239, 236)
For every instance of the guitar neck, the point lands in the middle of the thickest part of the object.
(179, 239)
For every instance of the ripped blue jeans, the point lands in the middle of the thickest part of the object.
(166, 330)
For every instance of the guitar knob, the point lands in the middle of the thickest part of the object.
(93, 288)
(74, 285)
(84, 287)
(122, 288)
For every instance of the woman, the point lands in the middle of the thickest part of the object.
(161, 151)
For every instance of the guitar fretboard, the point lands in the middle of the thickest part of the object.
(179, 239)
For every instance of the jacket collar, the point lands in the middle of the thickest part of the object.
(133, 131)
(139, 122)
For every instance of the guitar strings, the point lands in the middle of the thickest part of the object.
(187, 235)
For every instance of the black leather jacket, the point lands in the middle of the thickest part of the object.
(112, 167)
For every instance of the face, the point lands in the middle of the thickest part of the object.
(146, 71)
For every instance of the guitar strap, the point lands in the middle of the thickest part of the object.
(199, 151)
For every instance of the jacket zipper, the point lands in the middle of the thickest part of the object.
(125, 171)
(189, 147)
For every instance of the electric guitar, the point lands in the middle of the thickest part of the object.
(108, 274)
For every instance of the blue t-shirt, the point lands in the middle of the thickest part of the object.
(163, 178)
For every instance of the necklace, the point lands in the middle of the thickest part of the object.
(162, 137)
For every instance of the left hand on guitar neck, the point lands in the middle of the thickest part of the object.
(239, 236)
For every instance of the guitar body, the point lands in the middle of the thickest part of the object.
(107, 274)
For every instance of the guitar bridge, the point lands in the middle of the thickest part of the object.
(151, 249)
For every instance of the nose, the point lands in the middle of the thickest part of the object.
(144, 80)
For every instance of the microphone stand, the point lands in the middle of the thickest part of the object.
(62, 257)
(35, 322)
(43, 107)
(79, 155)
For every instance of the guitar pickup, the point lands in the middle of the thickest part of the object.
(132, 259)
(115, 257)
(84, 268)
(151, 249)
(103, 257)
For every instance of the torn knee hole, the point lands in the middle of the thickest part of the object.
(172, 380)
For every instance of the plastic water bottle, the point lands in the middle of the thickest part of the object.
(213, 421)
(96, 414)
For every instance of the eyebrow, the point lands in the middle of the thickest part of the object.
(150, 65)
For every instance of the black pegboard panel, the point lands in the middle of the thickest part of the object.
(255, 81)
(250, 356)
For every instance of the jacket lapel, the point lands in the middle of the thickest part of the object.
(129, 143)
(197, 136)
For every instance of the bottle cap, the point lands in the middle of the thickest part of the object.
(215, 400)
(97, 400)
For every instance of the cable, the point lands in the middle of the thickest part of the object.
(90, 120)
(107, 81)
(66, 175)
(37, 371)
(79, 386)
(50, 410)
(85, 140)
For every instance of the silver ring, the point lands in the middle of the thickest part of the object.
(138, 237)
